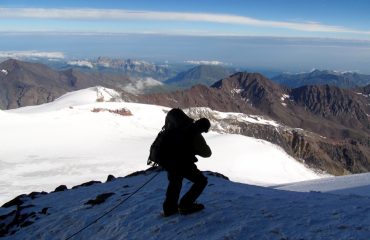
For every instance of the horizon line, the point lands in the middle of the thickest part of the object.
(98, 33)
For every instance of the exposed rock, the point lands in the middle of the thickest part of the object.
(111, 178)
(99, 199)
(86, 184)
(335, 104)
(44, 211)
(122, 111)
(61, 188)
(15, 219)
(34, 195)
(17, 201)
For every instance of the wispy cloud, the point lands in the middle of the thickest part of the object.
(205, 62)
(31, 54)
(113, 14)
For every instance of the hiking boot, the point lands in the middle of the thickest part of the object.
(194, 207)
(171, 212)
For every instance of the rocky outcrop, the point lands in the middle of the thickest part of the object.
(333, 103)
(99, 199)
(18, 215)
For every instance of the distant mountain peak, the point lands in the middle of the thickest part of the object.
(10, 64)
(246, 81)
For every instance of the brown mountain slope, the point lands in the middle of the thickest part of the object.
(24, 83)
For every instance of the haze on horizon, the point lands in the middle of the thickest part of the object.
(293, 36)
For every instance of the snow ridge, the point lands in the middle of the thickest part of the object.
(233, 211)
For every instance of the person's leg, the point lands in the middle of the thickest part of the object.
(170, 204)
(199, 183)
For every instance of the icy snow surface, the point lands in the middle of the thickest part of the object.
(357, 184)
(64, 142)
(233, 211)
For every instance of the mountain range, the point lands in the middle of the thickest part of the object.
(25, 83)
(323, 77)
(326, 127)
(133, 68)
(29, 83)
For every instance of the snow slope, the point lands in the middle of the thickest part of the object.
(64, 142)
(357, 184)
(233, 211)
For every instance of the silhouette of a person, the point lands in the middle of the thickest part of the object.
(186, 142)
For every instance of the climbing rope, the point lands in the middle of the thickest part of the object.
(124, 200)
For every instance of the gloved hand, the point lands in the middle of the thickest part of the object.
(202, 125)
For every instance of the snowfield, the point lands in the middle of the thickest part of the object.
(65, 142)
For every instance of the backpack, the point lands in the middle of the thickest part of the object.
(158, 150)
(170, 148)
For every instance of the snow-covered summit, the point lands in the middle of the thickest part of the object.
(76, 98)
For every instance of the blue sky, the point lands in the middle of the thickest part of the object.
(317, 18)
(288, 32)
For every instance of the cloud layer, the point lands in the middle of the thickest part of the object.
(28, 54)
(205, 62)
(113, 14)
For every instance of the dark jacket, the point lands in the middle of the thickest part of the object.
(200, 146)
(183, 144)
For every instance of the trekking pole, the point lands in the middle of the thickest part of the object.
(124, 200)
